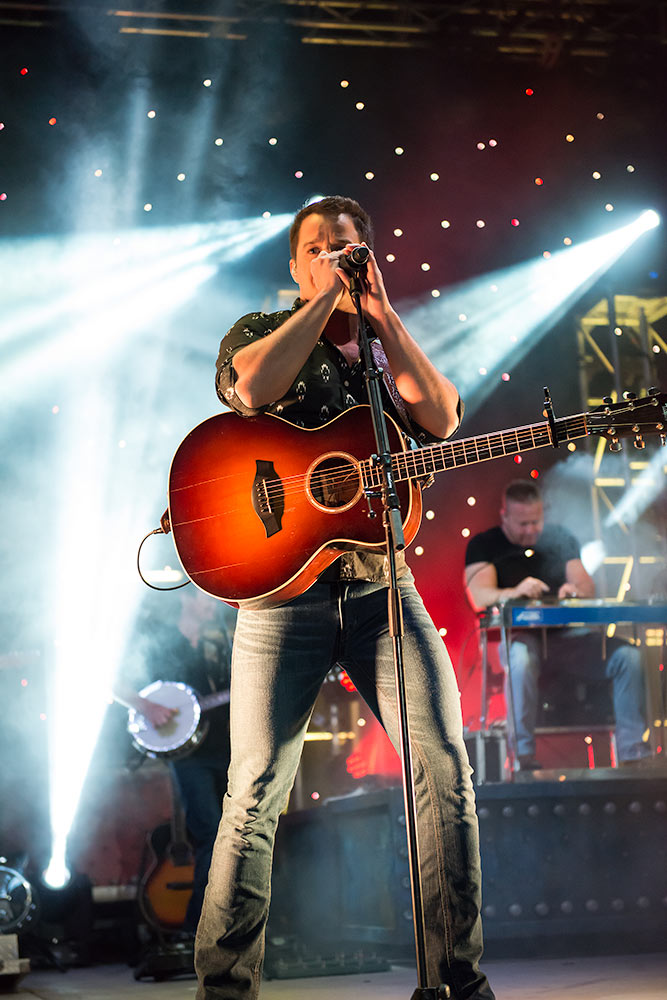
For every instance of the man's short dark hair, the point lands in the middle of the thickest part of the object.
(331, 208)
(522, 491)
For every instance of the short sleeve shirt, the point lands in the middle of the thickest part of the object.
(546, 560)
(326, 386)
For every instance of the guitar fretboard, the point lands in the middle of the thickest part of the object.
(212, 700)
(469, 451)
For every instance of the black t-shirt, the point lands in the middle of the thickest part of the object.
(546, 560)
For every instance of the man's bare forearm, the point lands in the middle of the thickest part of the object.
(127, 696)
(430, 396)
(267, 368)
(487, 597)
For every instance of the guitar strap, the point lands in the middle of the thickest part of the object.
(382, 362)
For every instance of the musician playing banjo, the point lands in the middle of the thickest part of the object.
(524, 559)
(303, 365)
(182, 640)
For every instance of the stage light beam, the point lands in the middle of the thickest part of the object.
(643, 491)
(103, 496)
(79, 298)
(526, 303)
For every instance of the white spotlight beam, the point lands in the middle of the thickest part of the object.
(80, 294)
(643, 491)
(104, 504)
(95, 592)
(475, 329)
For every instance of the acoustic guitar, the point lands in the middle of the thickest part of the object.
(260, 507)
(165, 888)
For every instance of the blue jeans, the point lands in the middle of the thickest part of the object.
(281, 657)
(579, 654)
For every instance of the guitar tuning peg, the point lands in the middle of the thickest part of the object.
(629, 395)
(663, 440)
(653, 391)
(615, 445)
(607, 400)
(639, 442)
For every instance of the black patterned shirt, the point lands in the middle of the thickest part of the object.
(326, 386)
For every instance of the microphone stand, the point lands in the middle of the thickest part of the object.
(395, 541)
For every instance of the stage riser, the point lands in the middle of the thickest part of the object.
(573, 858)
(559, 859)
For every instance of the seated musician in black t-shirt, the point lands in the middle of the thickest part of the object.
(524, 559)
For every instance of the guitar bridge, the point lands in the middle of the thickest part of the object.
(268, 497)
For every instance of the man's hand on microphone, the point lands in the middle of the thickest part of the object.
(327, 273)
(374, 300)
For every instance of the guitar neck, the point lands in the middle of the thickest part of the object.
(179, 833)
(208, 701)
(429, 461)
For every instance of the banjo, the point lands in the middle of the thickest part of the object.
(184, 731)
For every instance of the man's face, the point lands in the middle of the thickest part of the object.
(522, 523)
(318, 233)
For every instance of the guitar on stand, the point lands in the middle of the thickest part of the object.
(163, 895)
(166, 885)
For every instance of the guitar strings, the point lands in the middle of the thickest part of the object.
(340, 475)
(575, 426)
(344, 473)
(404, 463)
(523, 439)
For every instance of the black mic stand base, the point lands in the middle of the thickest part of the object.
(431, 993)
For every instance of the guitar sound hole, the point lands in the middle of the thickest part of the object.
(334, 482)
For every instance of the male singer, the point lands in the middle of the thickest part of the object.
(303, 364)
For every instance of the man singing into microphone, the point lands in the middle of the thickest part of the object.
(303, 364)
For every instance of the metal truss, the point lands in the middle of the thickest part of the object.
(617, 340)
(543, 31)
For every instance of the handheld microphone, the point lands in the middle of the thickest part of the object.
(356, 260)
(354, 264)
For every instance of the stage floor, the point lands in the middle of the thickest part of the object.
(636, 977)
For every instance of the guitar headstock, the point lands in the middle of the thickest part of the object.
(632, 417)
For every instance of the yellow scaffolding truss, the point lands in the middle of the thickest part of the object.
(618, 345)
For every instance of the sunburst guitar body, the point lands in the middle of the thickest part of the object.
(259, 507)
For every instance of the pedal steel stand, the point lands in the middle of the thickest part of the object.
(395, 541)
